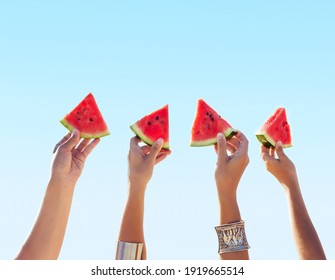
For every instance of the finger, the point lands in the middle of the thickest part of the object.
(272, 152)
(231, 148)
(221, 147)
(241, 137)
(234, 142)
(265, 154)
(89, 148)
(73, 141)
(242, 149)
(61, 142)
(264, 149)
(156, 148)
(216, 148)
(162, 156)
(280, 150)
(146, 149)
(83, 144)
(134, 141)
(164, 151)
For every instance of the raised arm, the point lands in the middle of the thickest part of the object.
(229, 170)
(46, 238)
(141, 160)
(306, 238)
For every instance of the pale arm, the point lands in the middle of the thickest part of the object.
(46, 238)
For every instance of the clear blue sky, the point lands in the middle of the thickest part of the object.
(245, 58)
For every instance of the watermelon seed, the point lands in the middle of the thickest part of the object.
(91, 119)
(157, 118)
(149, 123)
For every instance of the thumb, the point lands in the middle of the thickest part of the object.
(155, 149)
(73, 140)
(221, 147)
(280, 150)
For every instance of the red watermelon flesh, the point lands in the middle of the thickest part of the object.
(275, 129)
(154, 126)
(87, 118)
(207, 124)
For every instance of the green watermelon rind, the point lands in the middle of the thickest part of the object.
(82, 134)
(229, 133)
(146, 139)
(267, 141)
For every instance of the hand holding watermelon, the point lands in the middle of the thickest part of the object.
(69, 158)
(142, 160)
(281, 166)
(230, 168)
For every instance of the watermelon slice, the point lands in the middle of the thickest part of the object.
(207, 124)
(87, 118)
(275, 129)
(154, 126)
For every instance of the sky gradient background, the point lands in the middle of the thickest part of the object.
(245, 58)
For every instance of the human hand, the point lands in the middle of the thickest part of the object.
(142, 161)
(69, 158)
(229, 168)
(281, 166)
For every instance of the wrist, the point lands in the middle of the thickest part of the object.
(229, 210)
(137, 189)
(227, 203)
(291, 187)
(58, 192)
(61, 184)
(293, 190)
(227, 191)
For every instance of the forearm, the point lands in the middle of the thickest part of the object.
(230, 213)
(46, 238)
(229, 210)
(306, 238)
(133, 218)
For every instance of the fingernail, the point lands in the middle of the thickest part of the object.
(160, 141)
(75, 132)
(220, 136)
(279, 143)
